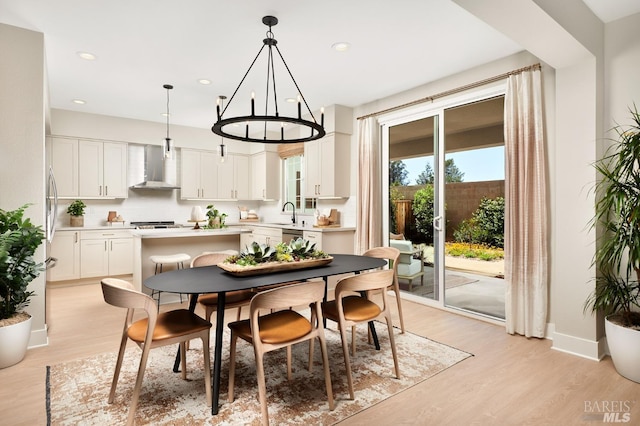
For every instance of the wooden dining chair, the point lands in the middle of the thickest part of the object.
(281, 327)
(157, 329)
(391, 254)
(350, 307)
(233, 299)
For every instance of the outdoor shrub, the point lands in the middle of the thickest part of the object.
(423, 213)
(486, 225)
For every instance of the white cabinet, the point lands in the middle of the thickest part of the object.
(327, 168)
(198, 175)
(269, 236)
(265, 176)
(65, 247)
(105, 253)
(333, 242)
(102, 169)
(233, 178)
(64, 160)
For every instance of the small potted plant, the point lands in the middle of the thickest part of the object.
(76, 210)
(215, 219)
(19, 239)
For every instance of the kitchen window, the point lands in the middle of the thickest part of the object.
(293, 184)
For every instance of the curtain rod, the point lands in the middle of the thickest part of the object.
(456, 90)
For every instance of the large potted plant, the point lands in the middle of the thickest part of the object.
(617, 258)
(19, 239)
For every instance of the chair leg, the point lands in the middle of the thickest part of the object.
(116, 374)
(347, 362)
(207, 366)
(262, 387)
(239, 312)
(138, 385)
(325, 364)
(392, 342)
(232, 365)
(353, 340)
(396, 290)
(289, 374)
(183, 358)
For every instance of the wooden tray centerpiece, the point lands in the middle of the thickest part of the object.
(259, 259)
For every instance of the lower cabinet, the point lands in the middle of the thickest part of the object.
(65, 247)
(269, 236)
(105, 253)
(334, 242)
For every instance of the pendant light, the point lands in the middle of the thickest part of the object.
(169, 151)
(242, 127)
(220, 102)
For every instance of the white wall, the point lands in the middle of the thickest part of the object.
(22, 100)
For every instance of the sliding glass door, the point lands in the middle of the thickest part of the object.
(446, 207)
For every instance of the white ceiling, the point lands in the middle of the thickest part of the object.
(141, 45)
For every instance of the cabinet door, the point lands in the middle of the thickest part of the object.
(265, 176)
(64, 160)
(224, 179)
(312, 169)
(90, 169)
(190, 174)
(241, 177)
(208, 175)
(115, 170)
(258, 173)
(314, 237)
(95, 258)
(66, 248)
(326, 181)
(120, 256)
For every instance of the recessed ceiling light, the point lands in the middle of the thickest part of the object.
(204, 81)
(87, 56)
(291, 100)
(164, 114)
(79, 101)
(341, 46)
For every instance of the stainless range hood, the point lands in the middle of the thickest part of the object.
(148, 166)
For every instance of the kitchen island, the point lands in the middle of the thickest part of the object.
(150, 242)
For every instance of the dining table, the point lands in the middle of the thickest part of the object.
(213, 279)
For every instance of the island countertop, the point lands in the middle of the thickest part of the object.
(186, 232)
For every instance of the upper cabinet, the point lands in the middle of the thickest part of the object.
(327, 161)
(233, 177)
(265, 176)
(89, 169)
(198, 175)
(327, 166)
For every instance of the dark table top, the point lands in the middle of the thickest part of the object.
(212, 279)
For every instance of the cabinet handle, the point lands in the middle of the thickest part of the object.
(100, 190)
(75, 237)
(105, 245)
(106, 190)
(111, 244)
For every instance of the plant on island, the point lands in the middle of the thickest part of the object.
(296, 250)
(215, 219)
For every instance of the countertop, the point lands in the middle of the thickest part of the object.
(187, 232)
(292, 227)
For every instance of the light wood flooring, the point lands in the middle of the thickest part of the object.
(511, 380)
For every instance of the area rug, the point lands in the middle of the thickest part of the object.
(77, 391)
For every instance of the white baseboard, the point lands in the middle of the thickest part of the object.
(590, 349)
(38, 338)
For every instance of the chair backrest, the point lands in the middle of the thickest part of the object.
(286, 296)
(122, 294)
(208, 259)
(391, 254)
(375, 280)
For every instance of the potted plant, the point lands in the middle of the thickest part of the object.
(215, 218)
(19, 239)
(76, 210)
(617, 258)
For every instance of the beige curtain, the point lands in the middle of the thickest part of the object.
(369, 203)
(526, 242)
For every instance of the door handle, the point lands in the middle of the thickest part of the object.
(436, 223)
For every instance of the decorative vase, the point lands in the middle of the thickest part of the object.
(77, 221)
(624, 347)
(214, 222)
(14, 340)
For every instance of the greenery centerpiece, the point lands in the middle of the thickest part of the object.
(617, 258)
(19, 239)
(76, 211)
(262, 258)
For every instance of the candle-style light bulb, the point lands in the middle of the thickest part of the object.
(299, 108)
(253, 103)
(322, 116)
(218, 108)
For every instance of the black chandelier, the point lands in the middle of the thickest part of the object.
(232, 128)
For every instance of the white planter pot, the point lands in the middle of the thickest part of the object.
(624, 347)
(14, 340)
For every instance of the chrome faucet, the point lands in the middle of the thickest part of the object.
(293, 216)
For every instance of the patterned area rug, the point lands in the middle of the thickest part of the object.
(77, 391)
